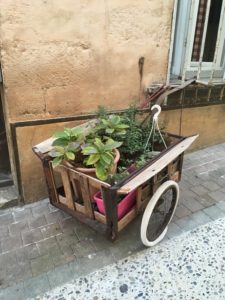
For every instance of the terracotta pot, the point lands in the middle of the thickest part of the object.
(125, 205)
(91, 171)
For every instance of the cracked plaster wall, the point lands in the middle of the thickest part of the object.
(67, 57)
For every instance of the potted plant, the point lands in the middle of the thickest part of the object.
(93, 152)
(124, 204)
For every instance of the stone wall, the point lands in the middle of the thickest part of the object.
(63, 58)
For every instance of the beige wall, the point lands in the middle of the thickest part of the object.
(67, 57)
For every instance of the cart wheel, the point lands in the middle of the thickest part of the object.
(159, 213)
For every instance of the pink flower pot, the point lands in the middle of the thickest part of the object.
(123, 207)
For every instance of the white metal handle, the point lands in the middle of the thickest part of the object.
(158, 107)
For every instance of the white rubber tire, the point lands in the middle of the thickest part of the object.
(149, 209)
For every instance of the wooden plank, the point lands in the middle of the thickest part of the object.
(158, 165)
(86, 196)
(127, 219)
(100, 217)
(67, 187)
(139, 198)
(80, 208)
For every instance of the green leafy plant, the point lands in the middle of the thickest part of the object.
(66, 145)
(113, 126)
(101, 156)
(63, 153)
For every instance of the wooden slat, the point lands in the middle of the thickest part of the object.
(100, 217)
(80, 208)
(158, 165)
(127, 219)
(138, 198)
(67, 188)
(86, 196)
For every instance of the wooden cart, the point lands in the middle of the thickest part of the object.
(155, 183)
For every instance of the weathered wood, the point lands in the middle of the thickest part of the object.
(100, 217)
(67, 187)
(127, 219)
(80, 208)
(139, 198)
(158, 165)
(50, 182)
(86, 196)
(109, 198)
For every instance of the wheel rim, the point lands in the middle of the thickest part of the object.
(162, 213)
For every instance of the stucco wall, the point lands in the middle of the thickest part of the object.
(67, 57)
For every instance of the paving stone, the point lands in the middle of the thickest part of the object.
(89, 263)
(221, 205)
(6, 219)
(193, 204)
(15, 292)
(182, 211)
(4, 232)
(18, 228)
(83, 248)
(84, 232)
(200, 217)
(21, 214)
(11, 243)
(27, 252)
(186, 223)
(37, 222)
(51, 230)
(60, 275)
(48, 246)
(52, 208)
(54, 217)
(32, 236)
(200, 190)
(41, 209)
(173, 230)
(41, 264)
(217, 196)
(36, 286)
(214, 212)
(66, 240)
(206, 201)
(210, 185)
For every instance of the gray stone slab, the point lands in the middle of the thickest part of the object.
(41, 264)
(36, 222)
(210, 185)
(173, 230)
(41, 209)
(6, 219)
(182, 211)
(200, 217)
(4, 232)
(217, 196)
(200, 190)
(60, 275)
(18, 227)
(22, 213)
(221, 205)
(193, 205)
(11, 243)
(54, 217)
(214, 212)
(51, 230)
(15, 292)
(32, 236)
(36, 286)
(28, 252)
(186, 223)
(83, 248)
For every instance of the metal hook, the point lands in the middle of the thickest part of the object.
(158, 111)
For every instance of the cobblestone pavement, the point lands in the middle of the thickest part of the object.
(42, 247)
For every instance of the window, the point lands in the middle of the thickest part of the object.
(199, 40)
